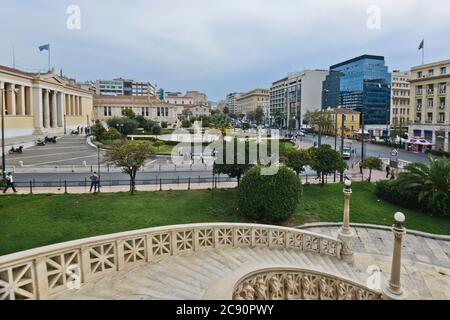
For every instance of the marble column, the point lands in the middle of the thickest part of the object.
(46, 108)
(37, 96)
(20, 104)
(71, 105)
(10, 99)
(54, 112)
(394, 291)
(60, 109)
(80, 106)
(28, 101)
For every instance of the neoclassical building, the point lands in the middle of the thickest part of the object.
(38, 104)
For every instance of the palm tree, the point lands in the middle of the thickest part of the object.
(430, 183)
(372, 163)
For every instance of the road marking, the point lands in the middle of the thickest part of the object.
(45, 155)
(39, 164)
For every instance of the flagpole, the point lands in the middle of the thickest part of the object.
(423, 55)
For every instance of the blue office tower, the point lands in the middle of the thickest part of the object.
(362, 83)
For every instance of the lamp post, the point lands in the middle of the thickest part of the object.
(394, 291)
(344, 119)
(3, 130)
(345, 233)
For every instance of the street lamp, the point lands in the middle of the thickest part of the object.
(3, 129)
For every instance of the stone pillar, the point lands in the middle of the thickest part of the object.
(28, 101)
(394, 290)
(54, 110)
(80, 105)
(345, 233)
(20, 105)
(38, 110)
(10, 99)
(46, 108)
(60, 108)
(71, 105)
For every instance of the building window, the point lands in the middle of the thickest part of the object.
(430, 89)
(419, 74)
(167, 112)
(147, 111)
(419, 90)
(443, 70)
(442, 117)
(143, 111)
(105, 111)
(430, 72)
(430, 102)
(109, 111)
(442, 88)
(159, 111)
(442, 103)
(430, 117)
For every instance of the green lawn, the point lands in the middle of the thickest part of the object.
(36, 220)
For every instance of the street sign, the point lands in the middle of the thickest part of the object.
(394, 153)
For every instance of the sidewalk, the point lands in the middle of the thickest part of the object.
(354, 175)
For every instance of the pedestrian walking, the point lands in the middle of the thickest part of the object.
(81, 130)
(94, 182)
(388, 171)
(9, 182)
(361, 167)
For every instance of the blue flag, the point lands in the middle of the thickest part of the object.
(422, 45)
(44, 47)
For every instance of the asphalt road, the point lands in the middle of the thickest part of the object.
(372, 150)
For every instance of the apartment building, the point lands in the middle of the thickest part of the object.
(231, 101)
(339, 117)
(292, 96)
(431, 103)
(401, 115)
(253, 99)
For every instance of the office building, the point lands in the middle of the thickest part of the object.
(401, 114)
(231, 101)
(292, 96)
(251, 100)
(364, 84)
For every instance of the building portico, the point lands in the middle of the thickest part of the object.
(40, 104)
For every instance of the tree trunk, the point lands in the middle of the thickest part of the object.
(132, 182)
(370, 174)
(323, 179)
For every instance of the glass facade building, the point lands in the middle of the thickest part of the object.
(363, 84)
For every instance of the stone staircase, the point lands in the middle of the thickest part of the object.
(188, 276)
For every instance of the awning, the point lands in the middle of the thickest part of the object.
(418, 142)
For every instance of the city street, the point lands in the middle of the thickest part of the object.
(372, 150)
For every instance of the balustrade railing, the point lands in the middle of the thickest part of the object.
(41, 272)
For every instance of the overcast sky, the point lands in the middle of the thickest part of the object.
(218, 46)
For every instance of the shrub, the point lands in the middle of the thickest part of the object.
(164, 125)
(156, 130)
(186, 123)
(99, 131)
(272, 198)
(111, 135)
(438, 153)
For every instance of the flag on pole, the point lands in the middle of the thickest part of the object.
(422, 44)
(44, 47)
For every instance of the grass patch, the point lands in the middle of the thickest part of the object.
(28, 221)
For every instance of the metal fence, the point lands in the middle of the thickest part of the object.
(182, 182)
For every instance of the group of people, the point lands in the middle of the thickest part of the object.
(85, 130)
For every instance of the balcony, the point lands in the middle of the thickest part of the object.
(419, 92)
(430, 92)
(442, 92)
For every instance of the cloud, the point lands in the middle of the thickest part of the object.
(219, 46)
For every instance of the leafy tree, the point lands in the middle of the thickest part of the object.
(278, 117)
(326, 160)
(219, 121)
(251, 116)
(186, 123)
(298, 159)
(130, 156)
(372, 163)
(259, 115)
(99, 131)
(129, 126)
(269, 198)
(129, 113)
(233, 169)
(226, 110)
(142, 121)
(158, 143)
(429, 183)
(164, 125)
